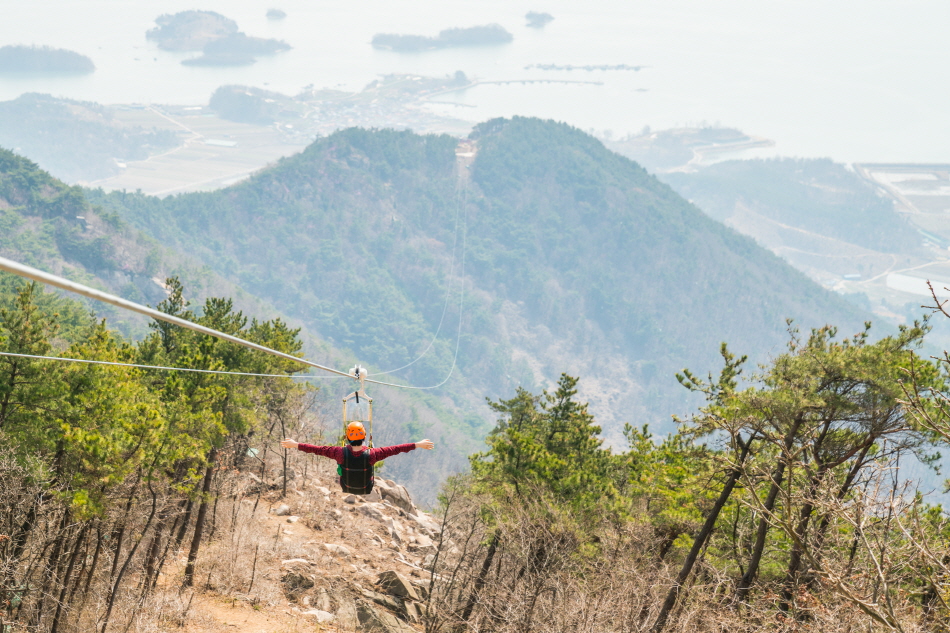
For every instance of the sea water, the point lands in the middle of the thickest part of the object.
(853, 80)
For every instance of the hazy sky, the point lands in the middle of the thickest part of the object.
(852, 80)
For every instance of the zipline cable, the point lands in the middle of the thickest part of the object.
(162, 368)
(29, 272)
(458, 338)
(91, 293)
(34, 274)
(448, 293)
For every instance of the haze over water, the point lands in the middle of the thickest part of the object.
(856, 81)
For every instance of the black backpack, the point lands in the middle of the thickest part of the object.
(356, 473)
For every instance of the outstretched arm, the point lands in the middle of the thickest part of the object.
(333, 452)
(379, 454)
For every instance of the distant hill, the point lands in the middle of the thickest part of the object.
(816, 195)
(76, 140)
(43, 59)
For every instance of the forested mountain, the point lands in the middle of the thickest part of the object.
(815, 195)
(575, 259)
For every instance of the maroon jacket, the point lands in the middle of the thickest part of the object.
(375, 454)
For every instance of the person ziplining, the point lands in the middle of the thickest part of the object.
(355, 461)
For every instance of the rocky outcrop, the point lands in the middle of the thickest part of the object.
(297, 578)
(395, 494)
(376, 581)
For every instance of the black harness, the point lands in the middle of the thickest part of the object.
(356, 474)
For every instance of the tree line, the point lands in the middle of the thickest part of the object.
(107, 471)
(778, 505)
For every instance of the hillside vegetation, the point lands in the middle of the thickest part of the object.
(129, 495)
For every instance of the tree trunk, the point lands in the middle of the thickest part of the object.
(798, 550)
(745, 583)
(482, 574)
(50, 575)
(700, 540)
(154, 550)
(61, 603)
(185, 520)
(114, 589)
(200, 520)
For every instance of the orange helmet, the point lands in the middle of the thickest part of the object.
(355, 431)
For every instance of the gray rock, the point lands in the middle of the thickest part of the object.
(394, 583)
(378, 621)
(396, 495)
(295, 584)
(429, 561)
(412, 611)
(292, 519)
(282, 510)
(373, 496)
(372, 511)
(383, 600)
(295, 561)
(322, 491)
(338, 550)
(351, 499)
(320, 615)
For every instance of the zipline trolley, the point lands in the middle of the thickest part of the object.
(359, 373)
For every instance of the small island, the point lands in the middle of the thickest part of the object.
(215, 35)
(485, 35)
(43, 59)
(237, 49)
(538, 20)
(276, 14)
(190, 30)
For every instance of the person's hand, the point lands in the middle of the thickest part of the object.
(288, 443)
(426, 444)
